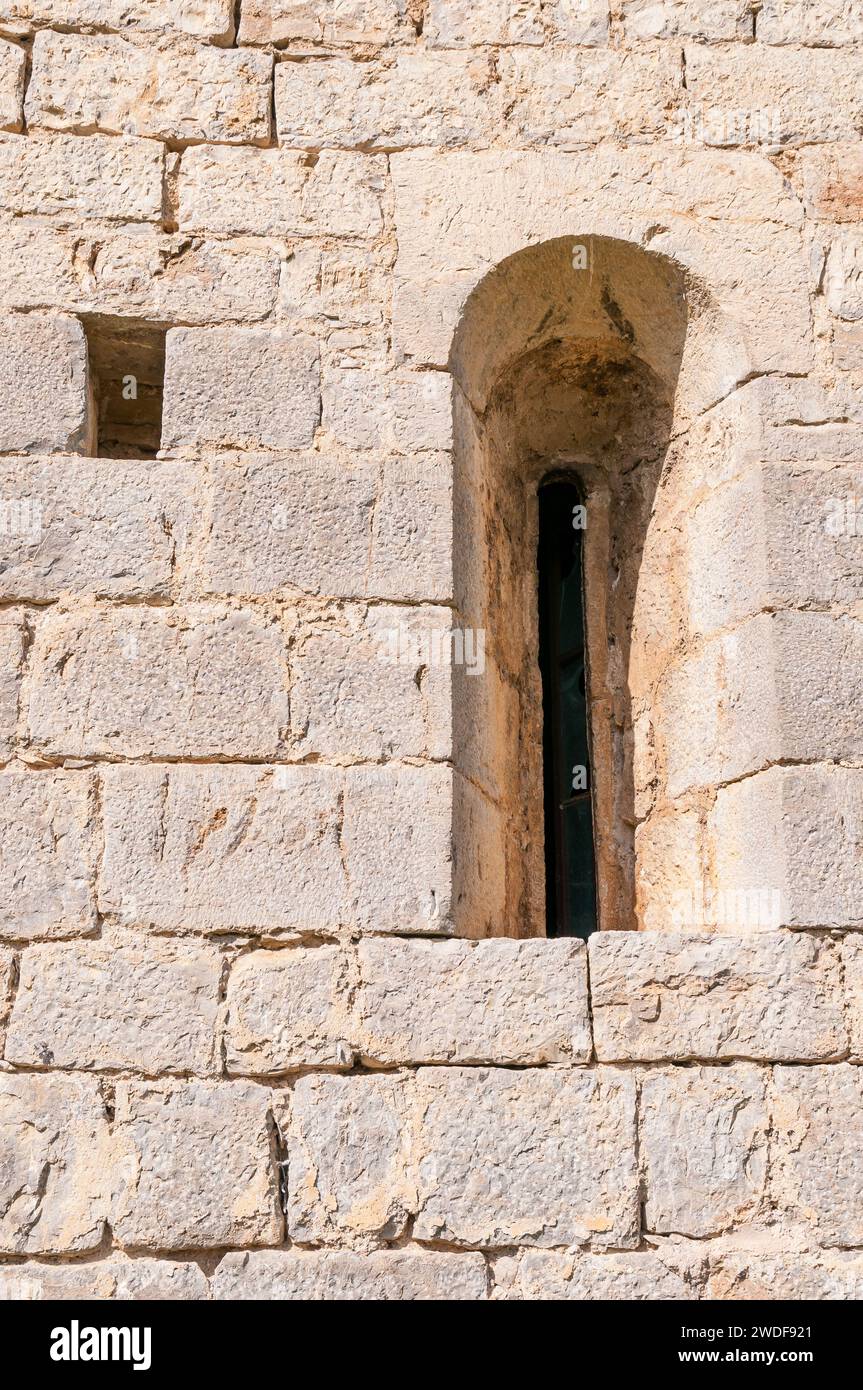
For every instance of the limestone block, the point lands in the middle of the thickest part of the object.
(12, 633)
(412, 535)
(201, 680)
(766, 997)
(824, 23)
(117, 1278)
(399, 412)
(668, 850)
(703, 1136)
(817, 1116)
(373, 683)
(43, 384)
(463, 24)
(843, 275)
(172, 92)
(349, 1146)
(84, 176)
(715, 20)
(852, 964)
(205, 19)
(514, 1003)
(798, 830)
(480, 868)
(285, 1010)
(48, 853)
(194, 1166)
(104, 1005)
(794, 1276)
(8, 978)
(526, 1157)
(549, 1275)
(280, 193)
(329, 21)
(13, 78)
(832, 181)
(54, 1161)
(240, 388)
(83, 526)
(409, 1274)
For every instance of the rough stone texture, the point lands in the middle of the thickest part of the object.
(401, 412)
(8, 977)
(55, 1164)
(526, 1158)
(161, 681)
(193, 1166)
(707, 20)
(116, 1277)
(43, 384)
(171, 92)
(852, 965)
(766, 997)
(100, 1006)
(206, 19)
(48, 853)
(817, 1113)
(12, 636)
(742, 1275)
(13, 75)
(349, 1148)
(286, 1009)
(236, 388)
(94, 176)
(826, 23)
(506, 1002)
(330, 21)
(703, 1134)
(539, 1275)
(407, 1274)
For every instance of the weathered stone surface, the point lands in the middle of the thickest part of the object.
(8, 977)
(287, 1009)
(817, 1116)
(666, 19)
(825, 23)
(239, 388)
(117, 1277)
(200, 680)
(48, 853)
(205, 19)
(832, 181)
(504, 1002)
(279, 193)
(412, 542)
(332, 21)
(84, 176)
(766, 997)
(178, 92)
(54, 1164)
(399, 412)
(843, 274)
(101, 1005)
(798, 831)
(852, 964)
(539, 1275)
(43, 384)
(461, 24)
(277, 849)
(793, 1275)
(526, 1157)
(13, 77)
(409, 1274)
(194, 1166)
(349, 1147)
(703, 1136)
(11, 661)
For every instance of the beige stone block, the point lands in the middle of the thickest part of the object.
(703, 1138)
(287, 1009)
(349, 1147)
(205, 19)
(12, 636)
(82, 176)
(527, 1157)
(831, 177)
(668, 855)
(104, 1005)
(48, 853)
(173, 92)
(843, 274)
(8, 980)
(240, 388)
(705, 20)
(678, 996)
(823, 23)
(793, 1276)
(55, 1157)
(412, 533)
(511, 1003)
(410, 1274)
(462, 24)
(554, 1276)
(576, 21)
(852, 964)
(396, 412)
(817, 1115)
(194, 1166)
(13, 78)
(43, 384)
(327, 21)
(117, 1277)
(199, 680)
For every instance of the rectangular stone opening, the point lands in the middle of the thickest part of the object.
(127, 377)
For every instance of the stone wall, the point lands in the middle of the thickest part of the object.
(277, 1015)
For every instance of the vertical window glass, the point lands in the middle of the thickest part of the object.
(570, 868)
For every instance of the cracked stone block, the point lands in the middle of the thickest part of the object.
(194, 1166)
(55, 1158)
(150, 1006)
(118, 1277)
(703, 1134)
(8, 977)
(766, 997)
(526, 1157)
(817, 1117)
(48, 853)
(287, 1009)
(504, 1002)
(795, 1276)
(641, 1276)
(84, 176)
(406, 1275)
(349, 1147)
(43, 384)
(329, 21)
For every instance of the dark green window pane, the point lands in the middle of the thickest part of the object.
(573, 727)
(579, 867)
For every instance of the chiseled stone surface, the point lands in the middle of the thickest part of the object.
(408, 1274)
(707, 20)
(104, 1005)
(502, 1002)
(13, 76)
(526, 1157)
(117, 1277)
(193, 1166)
(852, 965)
(767, 996)
(538, 1275)
(12, 638)
(8, 975)
(48, 853)
(205, 19)
(84, 176)
(332, 21)
(287, 1009)
(792, 1275)
(55, 1164)
(817, 1114)
(43, 384)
